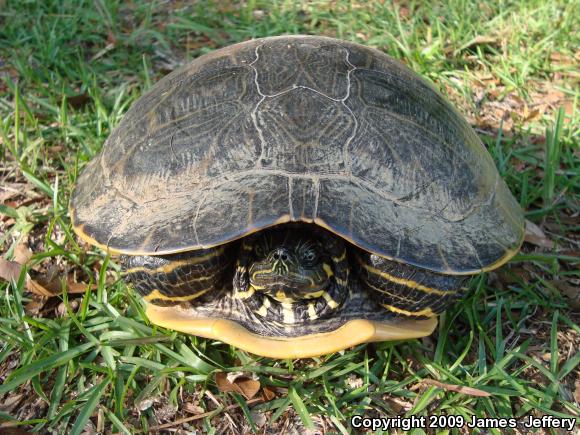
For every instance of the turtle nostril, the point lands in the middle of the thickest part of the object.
(280, 254)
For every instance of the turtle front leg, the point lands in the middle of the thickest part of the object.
(406, 290)
(177, 279)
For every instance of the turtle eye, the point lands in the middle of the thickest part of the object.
(259, 251)
(310, 256)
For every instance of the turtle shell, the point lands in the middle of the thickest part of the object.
(299, 129)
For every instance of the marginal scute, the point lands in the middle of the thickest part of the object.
(299, 128)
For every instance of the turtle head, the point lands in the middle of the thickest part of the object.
(291, 274)
(287, 265)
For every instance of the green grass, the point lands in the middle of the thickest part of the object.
(68, 72)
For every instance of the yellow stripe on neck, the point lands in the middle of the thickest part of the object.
(288, 313)
(312, 311)
(380, 290)
(425, 312)
(170, 267)
(331, 302)
(341, 258)
(156, 294)
(328, 270)
(313, 295)
(406, 282)
(244, 295)
(263, 311)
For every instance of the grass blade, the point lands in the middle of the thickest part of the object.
(89, 407)
(300, 407)
(28, 371)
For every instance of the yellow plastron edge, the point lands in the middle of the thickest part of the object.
(350, 334)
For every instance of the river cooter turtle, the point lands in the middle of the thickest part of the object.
(297, 195)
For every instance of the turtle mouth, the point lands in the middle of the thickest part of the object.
(293, 286)
(284, 297)
(272, 278)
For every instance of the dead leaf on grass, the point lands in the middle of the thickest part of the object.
(34, 307)
(10, 403)
(79, 287)
(397, 404)
(268, 394)
(478, 40)
(192, 408)
(536, 236)
(41, 288)
(562, 58)
(572, 292)
(12, 190)
(457, 388)
(145, 404)
(78, 101)
(53, 287)
(9, 270)
(240, 384)
(22, 253)
(530, 115)
(514, 275)
(62, 311)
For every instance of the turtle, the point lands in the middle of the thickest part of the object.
(297, 195)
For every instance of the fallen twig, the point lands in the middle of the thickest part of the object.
(449, 387)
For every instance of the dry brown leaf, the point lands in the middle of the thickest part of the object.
(478, 40)
(11, 190)
(9, 270)
(561, 58)
(572, 292)
(78, 101)
(241, 384)
(457, 388)
(10, 403)
(536, 236)
(568, 110)
(62, 311)
(34, 307)
(41, 289)
(531, 115)
(79, 287)
(514, 100)
(53, 287)
(193, 409)
(553, 96)
(268, 394)
(397, 404)
(22, 253)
